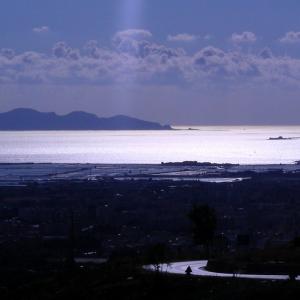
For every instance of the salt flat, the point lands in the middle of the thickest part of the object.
(214, 173)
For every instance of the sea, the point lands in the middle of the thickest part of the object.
(222, 144)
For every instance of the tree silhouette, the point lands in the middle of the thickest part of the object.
(157, 255)
(204, 223)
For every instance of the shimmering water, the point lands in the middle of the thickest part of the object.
(245, 145)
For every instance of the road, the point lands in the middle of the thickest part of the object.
(198, 269)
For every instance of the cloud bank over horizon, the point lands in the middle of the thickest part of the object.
(137, 70)
(134, 56)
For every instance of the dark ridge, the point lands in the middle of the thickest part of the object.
(29, 119)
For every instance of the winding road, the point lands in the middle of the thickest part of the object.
(198, 269)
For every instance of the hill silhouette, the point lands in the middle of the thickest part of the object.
(29, 119)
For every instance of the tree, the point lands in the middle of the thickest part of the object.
(157, 255)
(204, 222)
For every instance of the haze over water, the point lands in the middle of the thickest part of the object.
(244, 145)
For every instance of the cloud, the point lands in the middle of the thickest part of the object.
(41, 29)
(291, 37)
(244, 37)
(265, 53)
(134, 34)
(8, 53)
(92, 49)
(214, 63)
(136, 43)
(182, 37)
(134, 57)
(62, 50)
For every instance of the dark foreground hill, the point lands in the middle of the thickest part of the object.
(29, 119)
(122, 280)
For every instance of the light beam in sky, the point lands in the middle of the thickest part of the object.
(131, 12)
(131, 15)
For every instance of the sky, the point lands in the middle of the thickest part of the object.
(191, 62)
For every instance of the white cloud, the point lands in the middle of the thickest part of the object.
(291, 37)
(135, 34)
(182, 37)
(244, 37)
(136, 43)
(41, 29)
(134, 58)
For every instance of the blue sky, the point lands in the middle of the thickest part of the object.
(77, 21)
(180, 62)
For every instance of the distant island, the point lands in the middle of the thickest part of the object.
(29, 119)
(279, 138)
(197, 164)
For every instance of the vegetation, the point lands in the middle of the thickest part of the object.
(204, 222)
(147, 222)
(115, 281)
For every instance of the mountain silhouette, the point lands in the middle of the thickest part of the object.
(29, 119)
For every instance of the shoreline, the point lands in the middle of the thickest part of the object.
(203, 172)
(199, 164)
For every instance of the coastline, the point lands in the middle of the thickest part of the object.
(205, 172)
